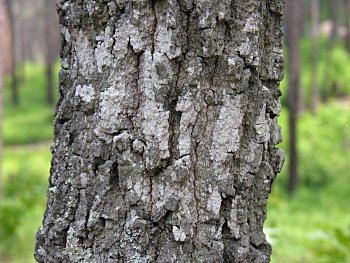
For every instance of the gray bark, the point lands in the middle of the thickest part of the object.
(164, 132)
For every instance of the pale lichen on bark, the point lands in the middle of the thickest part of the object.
(165, 131)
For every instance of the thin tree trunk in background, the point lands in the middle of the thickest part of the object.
(49, 83)
(6, 36)
(299, 22)
(14, 82)
(348, 25)
(315, 11)
(165, 132)
(293, 88)
(2, 18)
(294, 22)
(49, 50)
(326, 83)
(22, 58)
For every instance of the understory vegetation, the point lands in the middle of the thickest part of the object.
(314, 224)
(311, 226)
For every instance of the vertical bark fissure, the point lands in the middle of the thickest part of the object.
(174, 116)
(154, 26)
(137, 96)
(194, 159)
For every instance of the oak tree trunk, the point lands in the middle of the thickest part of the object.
(165, 132)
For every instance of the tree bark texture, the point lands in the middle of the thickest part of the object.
(165, 132)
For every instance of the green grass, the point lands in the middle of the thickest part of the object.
(30, 121)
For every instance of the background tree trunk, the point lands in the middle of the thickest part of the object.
(326, 82)
(6, 40)
(294, 31)
(293, 88)
(2, 70)
(49, 52)
(315, 10)
(14, 80)
(347, 6)
(164, 132)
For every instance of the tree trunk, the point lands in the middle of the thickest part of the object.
(293, 89)
(49, 54)
(2, 70)
(49, 82)
(348, 25)
(326, 82)
(315, 10)
(14, 82)
(164, 132)
(294, 30)
(21, 74)
(6, 40)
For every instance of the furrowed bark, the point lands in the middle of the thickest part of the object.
(165, 132)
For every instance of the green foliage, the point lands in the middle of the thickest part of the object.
(333, 67)
(340, 69)
(30, 121)
(311, 226)
(333, 245)
(25, 167)
(323, 143)
(22, 207)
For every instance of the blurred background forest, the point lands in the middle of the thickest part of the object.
(308, 211)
